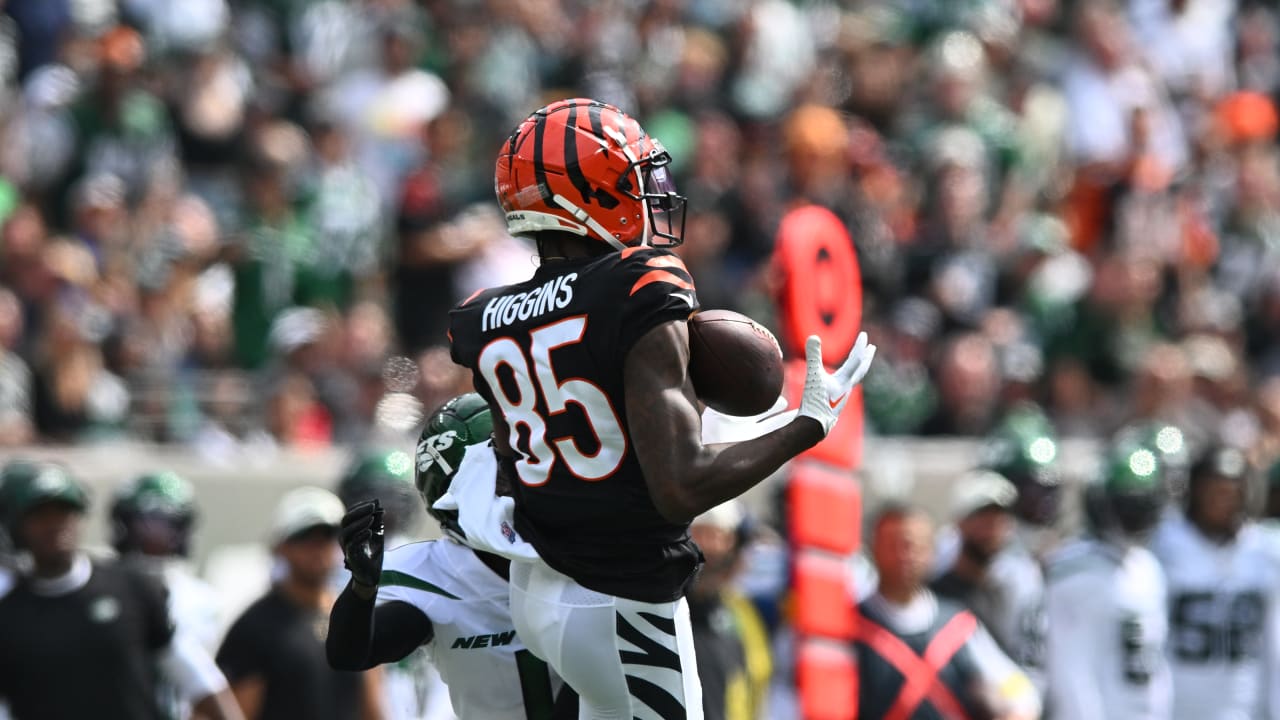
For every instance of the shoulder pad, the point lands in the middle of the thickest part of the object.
(654, 265)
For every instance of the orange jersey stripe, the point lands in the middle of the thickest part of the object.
(666, 261)
(633, 250)
(657, 276)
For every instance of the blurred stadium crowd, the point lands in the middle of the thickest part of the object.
(239, 224)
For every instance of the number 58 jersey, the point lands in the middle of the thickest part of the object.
(1222, 623)
(549, 353)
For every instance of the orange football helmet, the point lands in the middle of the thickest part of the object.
(587, 168)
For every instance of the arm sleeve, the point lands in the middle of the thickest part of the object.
(654, 287)
(362, 636)
(187, 665)
(1074, 690)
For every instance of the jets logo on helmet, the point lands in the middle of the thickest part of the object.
(453, 427)
(584, 167)
(429, 452)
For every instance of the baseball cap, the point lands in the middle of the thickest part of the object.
(978, 489)
(303, 509)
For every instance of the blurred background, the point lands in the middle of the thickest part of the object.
(235, 227)
(230, 230)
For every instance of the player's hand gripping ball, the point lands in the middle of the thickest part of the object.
(734, 362)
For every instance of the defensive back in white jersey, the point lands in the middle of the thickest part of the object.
(474, 647)
(1223, 645)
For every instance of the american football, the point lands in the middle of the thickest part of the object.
(735, 363)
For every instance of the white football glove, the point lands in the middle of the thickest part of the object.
(826, 394)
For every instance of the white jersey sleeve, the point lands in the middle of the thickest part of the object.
(189, 667)
(474, 645)
(194, 606)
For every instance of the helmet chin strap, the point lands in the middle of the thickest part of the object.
(582, 217)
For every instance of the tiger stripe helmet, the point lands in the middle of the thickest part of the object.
(587, 168)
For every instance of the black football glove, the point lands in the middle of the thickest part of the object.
(362, 535)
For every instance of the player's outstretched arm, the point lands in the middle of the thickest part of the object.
(360, 635)
(686, 477)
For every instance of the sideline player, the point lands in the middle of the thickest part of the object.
(585, 366)
(83, 638)
(152, 518)
(440, 595)
(1105, 602)
(1223, 593)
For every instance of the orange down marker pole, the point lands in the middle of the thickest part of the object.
(820, 293)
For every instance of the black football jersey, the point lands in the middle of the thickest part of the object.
(549, 352)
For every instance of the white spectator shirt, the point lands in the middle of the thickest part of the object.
(1222, 614)
(1191, 50)
(1107, 632)
(474, 644)
(1100, 106)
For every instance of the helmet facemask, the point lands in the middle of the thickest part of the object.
(664, 206)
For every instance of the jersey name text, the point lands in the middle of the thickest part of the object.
(555, 294)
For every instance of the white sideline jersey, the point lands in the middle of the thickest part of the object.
(195, 612)
(193, 604)
(474, 645)
(1108, 627)
(1222, 605)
